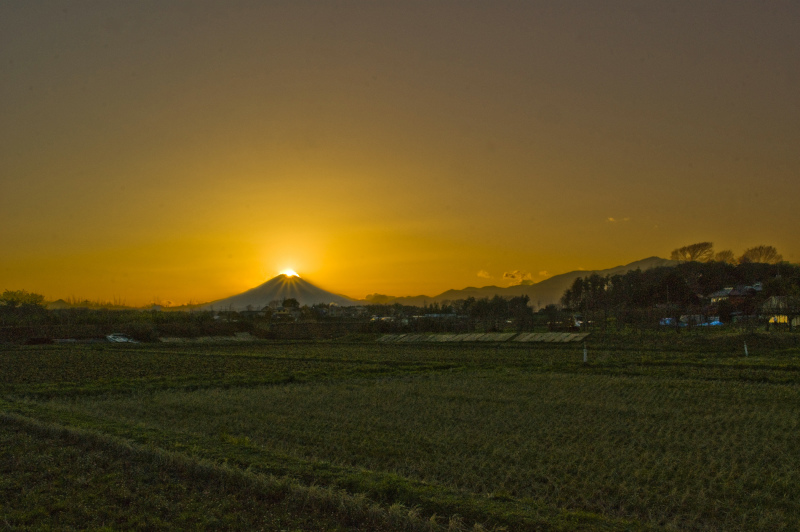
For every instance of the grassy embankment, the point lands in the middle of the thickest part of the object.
(654, 432)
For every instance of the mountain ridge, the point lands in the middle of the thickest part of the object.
(543, 293)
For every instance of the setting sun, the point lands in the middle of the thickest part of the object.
(290, 273)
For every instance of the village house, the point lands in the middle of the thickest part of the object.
(782, 310)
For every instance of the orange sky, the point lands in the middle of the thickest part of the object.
(190, 150)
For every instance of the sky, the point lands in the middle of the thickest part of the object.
(185, 151)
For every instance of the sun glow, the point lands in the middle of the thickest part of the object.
(290, 273)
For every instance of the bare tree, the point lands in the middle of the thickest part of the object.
(726, 256)
(700, 252)
(765, 254)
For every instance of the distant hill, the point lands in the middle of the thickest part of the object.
(279, 288)
(58, 304)
(541, 294)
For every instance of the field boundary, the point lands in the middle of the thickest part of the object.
(552, 337)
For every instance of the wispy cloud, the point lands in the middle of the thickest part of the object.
(517, 277)
(484, 274)
(613, 220)
(544, 273)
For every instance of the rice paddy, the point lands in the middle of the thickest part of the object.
(413, 437)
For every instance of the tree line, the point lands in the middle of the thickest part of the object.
(704, 252)
(639, 297)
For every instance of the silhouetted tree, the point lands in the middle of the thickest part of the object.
(589, 295)
(12, 299)
(763, 254)
(491, 313)
(700, 252)
(520, 312)
(726, 256)
(21, 307)
(291, 303)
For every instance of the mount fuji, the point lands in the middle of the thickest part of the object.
(277, 289)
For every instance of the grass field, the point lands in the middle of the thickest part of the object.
(651, 433)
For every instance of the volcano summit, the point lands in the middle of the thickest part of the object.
(277, 289)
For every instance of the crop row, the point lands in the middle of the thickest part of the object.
(115, 369)
(669, 452)
(48, 369)
(59, 478)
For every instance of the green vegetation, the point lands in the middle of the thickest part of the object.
(655, 431)
(641, 299)
(59, 479)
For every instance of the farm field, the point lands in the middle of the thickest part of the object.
(651, 433)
